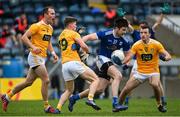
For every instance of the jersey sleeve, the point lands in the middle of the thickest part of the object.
(100, 34)
(134, 48)
(33, 28)
(76, 35)
(126, 46)
(160, 47)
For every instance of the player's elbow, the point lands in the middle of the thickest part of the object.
(169, 58)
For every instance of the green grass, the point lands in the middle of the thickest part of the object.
(137, 107)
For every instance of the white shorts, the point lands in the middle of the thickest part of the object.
(35, 60)
(134, 68)
(71, 70)
(142, 77)
(101, 60)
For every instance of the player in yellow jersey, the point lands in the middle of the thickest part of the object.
(72, 67)
(40, 34)
(147, 53)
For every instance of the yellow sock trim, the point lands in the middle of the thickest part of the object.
(90, 96)
(59, 106)
(46, 104)
(10, 94)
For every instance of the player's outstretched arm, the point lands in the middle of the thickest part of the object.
(128, 57)
(82, 45)
(164, 10)
(121, 13)
(90, 37)
(158, 22)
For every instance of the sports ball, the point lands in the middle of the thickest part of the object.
(117, 57)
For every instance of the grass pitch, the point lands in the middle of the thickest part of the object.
(137, 107)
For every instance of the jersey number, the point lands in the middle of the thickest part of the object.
(146, 57)
(63, 43)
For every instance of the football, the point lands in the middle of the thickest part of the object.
(117, 57)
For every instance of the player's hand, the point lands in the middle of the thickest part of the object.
(120, 12)
(125, 66)
(55, 57)
(166, 8)
(36, 50)
(81, 30)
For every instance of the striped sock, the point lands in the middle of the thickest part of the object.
(46, 104)
(90, 97)
(10, 94)
(59, 106)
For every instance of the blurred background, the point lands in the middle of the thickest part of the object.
(95, 15)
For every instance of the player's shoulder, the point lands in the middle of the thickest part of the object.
(42, 23)
(69, 32)
(35, 24)
(137, 42)
(106, 32)
(153, 41)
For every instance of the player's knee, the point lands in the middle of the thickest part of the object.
(118, 77)
(154, 85)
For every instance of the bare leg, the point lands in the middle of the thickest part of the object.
(114, 73)
(93, 78)
(154, 82)
(28, 82)
(129, 94)
(101, 87)
(131, 84)
(42, 73)
(65, 96)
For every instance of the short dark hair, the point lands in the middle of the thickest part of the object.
(45, 10)
(69, 19)
(146, 27)
(144, 22)
(120, 22)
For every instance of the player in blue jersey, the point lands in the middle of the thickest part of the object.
(110, 40)
(136, 37)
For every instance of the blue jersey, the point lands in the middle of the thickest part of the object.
(136, 35)
(109, 43)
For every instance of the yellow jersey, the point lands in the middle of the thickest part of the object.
(66, 40)
(41, 35)
(147, 56)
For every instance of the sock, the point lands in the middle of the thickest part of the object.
(115, 100)
(46, 104)
(76, 97)
(90, 97)
(59, 106)
(9, 95)
(158, 104)
(163, 99)
(127, 100)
